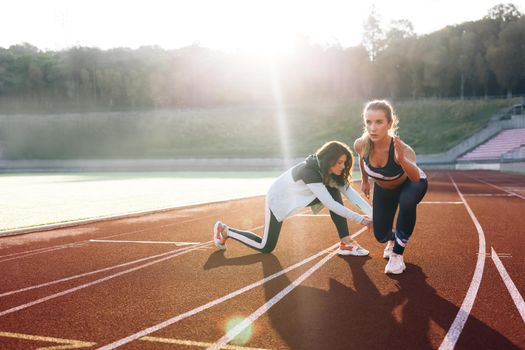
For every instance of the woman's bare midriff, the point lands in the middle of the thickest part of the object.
(390, 185)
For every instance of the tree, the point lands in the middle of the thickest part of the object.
(504, 13)
(373, 36)
(506, 56)
(398, 30)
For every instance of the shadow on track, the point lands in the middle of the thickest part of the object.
(342, 317)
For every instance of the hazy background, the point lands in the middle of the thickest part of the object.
(204, 79)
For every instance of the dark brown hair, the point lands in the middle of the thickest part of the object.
(328, 155)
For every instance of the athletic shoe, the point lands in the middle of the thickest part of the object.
(219, 238)
(395, 264)
(388, 249)
(352, 249)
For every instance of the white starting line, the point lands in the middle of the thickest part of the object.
(489, 195)
(143, 242)
(440, 202)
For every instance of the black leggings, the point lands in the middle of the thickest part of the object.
(385, 204)
(272, 227)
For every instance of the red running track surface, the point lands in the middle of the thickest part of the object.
(60, 289)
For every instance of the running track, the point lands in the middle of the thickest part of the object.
(463, 287)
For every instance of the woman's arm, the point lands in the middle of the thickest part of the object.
(320, 191)
(365, 184)
(355, 198)
(406, 158)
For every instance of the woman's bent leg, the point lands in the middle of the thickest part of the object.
(264, 244)
(340, 222)
(411, 194)
(384, 209)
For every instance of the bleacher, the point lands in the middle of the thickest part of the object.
(493, 149)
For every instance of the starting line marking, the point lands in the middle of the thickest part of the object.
(67, 343)
(500, 255)
(196, 343)
(489, 195)
(143, 242)
(440, 202)
(511, 287)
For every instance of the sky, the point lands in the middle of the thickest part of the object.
(227, 25)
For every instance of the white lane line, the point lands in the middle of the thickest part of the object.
(71, 290)
(239, 328)
(68, 245)
(26, 252)
(440, 202)
(206, 306)
(31, 254)
(88, 273)
(496, 187)
(459, 322)
(514, 293)
(66, 343)
(143, 242)
(196, 343)
(222, 299)
(108, 268)
(489, 195)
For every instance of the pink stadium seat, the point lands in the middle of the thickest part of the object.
(503, 142)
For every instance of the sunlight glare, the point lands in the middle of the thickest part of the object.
(242, 337)
(280, 115)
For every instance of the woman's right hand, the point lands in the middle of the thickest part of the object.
(365, 187)
(368, 223)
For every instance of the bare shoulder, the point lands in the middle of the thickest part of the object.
(408, 148)
(410, 152)
(358, 145)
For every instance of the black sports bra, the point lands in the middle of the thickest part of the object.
(390, 172)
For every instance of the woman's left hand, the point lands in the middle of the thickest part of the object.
(399, 150)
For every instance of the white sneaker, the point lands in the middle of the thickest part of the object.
(219, 235)
(388, 249)
(395, 264)
(352, 249)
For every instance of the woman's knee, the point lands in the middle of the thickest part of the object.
(269, 247)
(267, 250)
(383, 236)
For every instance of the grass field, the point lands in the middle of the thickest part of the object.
(238, 132)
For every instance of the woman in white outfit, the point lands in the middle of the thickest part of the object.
(316, 182)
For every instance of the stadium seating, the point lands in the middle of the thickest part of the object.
(494, 148)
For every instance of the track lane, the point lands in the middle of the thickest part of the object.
(500, 218)
(346, 296)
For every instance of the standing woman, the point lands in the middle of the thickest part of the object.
(398, 182)
(316, 182)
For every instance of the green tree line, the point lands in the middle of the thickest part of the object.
(472, 59)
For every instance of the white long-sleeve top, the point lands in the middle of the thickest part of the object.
(301, 185)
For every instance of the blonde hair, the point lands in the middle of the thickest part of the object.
(378, 105)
